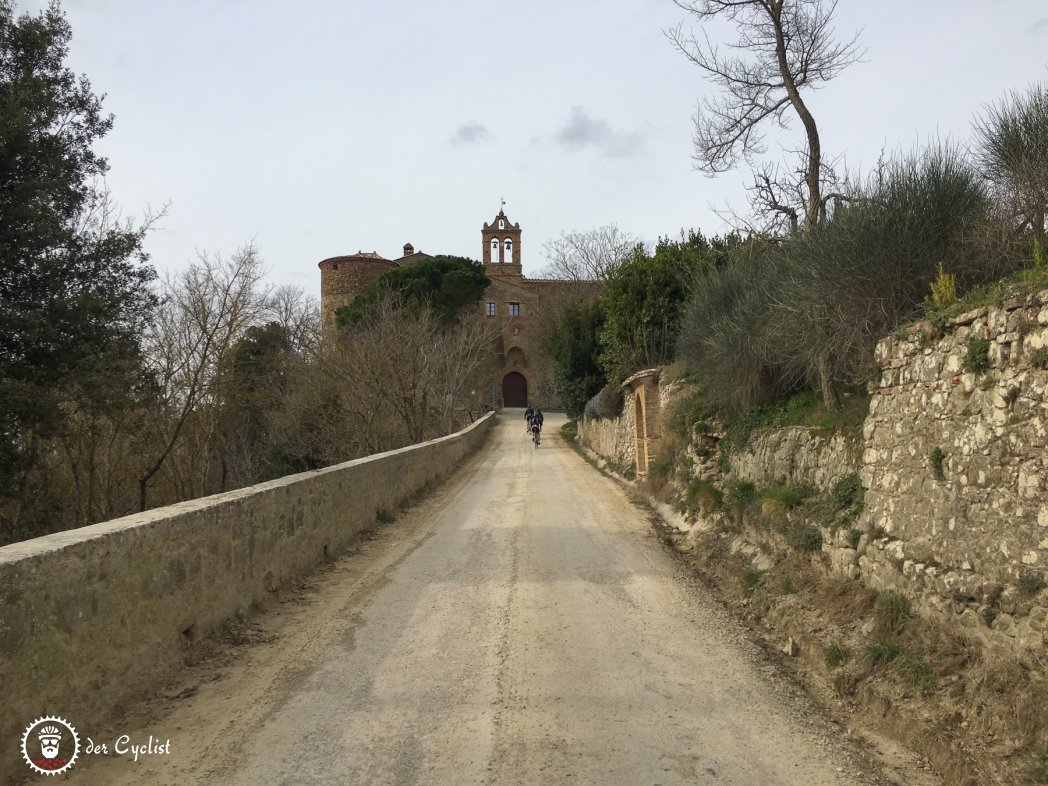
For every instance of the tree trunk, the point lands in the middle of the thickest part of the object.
(811, 130)
(829, 389)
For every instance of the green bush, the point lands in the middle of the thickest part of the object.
(804, 537)
(1012, 151)
(977, 355)
(846, 491)
(782, 497)
(1039, 358)
(751, 580)
(642, 302)
(806, 313)
(704, 496)
(741, 495)
(573, 347)
(854, 536)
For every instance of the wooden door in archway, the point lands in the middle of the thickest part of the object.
(514, 390)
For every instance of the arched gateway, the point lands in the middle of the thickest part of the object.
(514, 390)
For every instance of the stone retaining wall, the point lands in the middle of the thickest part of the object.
(956, 467)
(93, 617)
(797, 455)
(954, 459)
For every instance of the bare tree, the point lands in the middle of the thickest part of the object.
(786, 46)
(403, 376)
(298, 315)
(203, 313)
(589, 255)
(464, 357)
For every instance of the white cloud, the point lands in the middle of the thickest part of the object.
(472, 133)
(582, 131)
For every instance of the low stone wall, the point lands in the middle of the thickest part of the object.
(613, 439)
(93, 617)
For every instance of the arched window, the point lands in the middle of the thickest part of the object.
(508, 258)
(494, 250)
(502, 223)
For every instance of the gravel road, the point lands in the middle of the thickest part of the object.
(521, 625)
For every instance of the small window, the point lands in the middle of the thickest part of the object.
(502, 224)
(490, 309)
(514, 309)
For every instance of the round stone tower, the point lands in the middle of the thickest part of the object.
(343, 278)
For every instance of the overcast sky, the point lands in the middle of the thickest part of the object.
(316, 128)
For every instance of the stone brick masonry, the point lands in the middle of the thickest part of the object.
(960, 537)
(955, 463)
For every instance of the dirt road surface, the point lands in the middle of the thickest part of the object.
(521, 625)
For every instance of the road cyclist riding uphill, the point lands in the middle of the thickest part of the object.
(535, 426)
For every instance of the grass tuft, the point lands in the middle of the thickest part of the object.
(892, 610)
(752, 579)
(881, 653)
(835, 654)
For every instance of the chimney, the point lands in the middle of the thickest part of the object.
(408, 249)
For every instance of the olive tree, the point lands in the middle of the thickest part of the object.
(1012, 152)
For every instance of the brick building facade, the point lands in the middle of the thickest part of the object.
(517, 303)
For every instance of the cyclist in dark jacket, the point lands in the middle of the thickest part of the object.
(529, 413)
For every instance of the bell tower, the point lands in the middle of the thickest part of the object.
(501, 248)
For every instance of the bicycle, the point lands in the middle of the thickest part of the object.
(535, 431)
